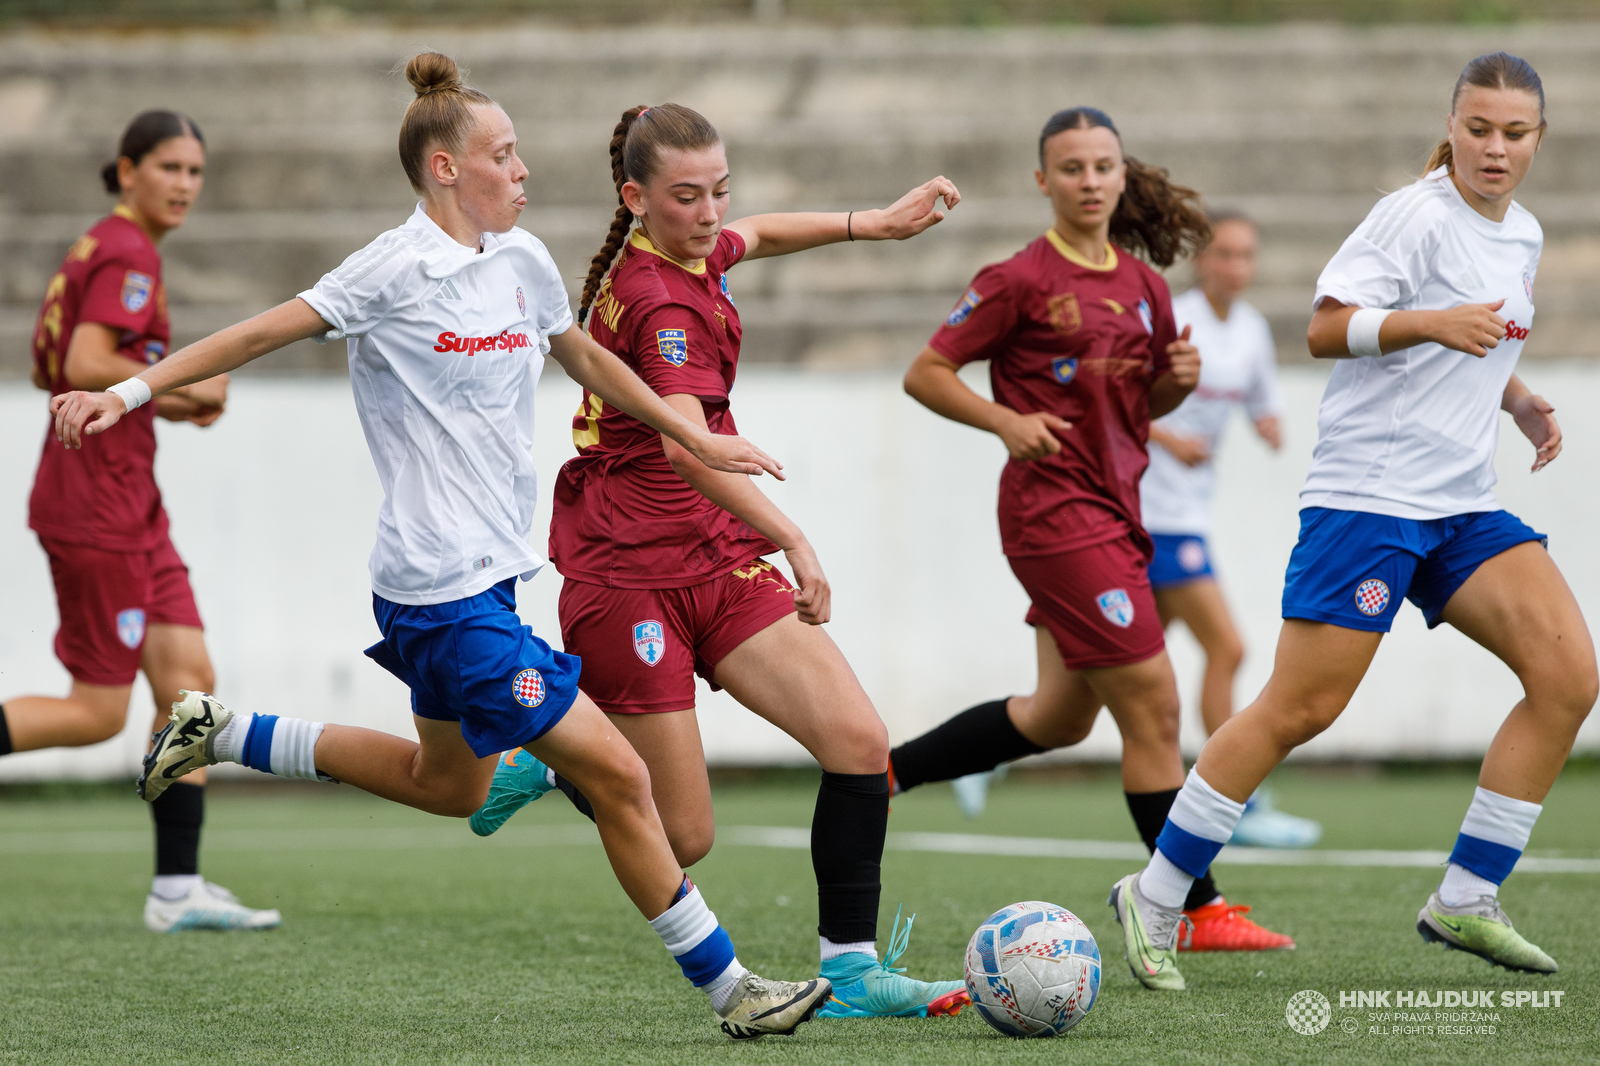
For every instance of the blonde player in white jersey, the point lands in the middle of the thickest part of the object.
(1427, 306)
(1239, 368)
(447, 319)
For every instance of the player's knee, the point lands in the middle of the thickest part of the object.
(624, 784)
(1227, 653)
(690, 844)
(1305, 720)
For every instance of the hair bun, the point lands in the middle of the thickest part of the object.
(108, 177)
(432, 72)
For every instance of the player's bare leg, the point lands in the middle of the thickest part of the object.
(669, 743)
(1199, 606)
(88, 715)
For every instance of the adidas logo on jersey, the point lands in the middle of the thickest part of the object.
(448, 291)
(505, 342)
(1470, 278)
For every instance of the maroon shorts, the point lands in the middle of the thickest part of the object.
(106, 598)
(1096, 602)
(642, 647)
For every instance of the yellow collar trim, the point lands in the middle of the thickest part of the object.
(1076, 258)
(123, 211)
(641, 242)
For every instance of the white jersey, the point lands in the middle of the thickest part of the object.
(446, 345)
(1412, 434)
(1238, 365)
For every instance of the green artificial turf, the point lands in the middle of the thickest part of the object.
(407, 940)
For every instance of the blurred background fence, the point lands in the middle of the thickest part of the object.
(1301, 125)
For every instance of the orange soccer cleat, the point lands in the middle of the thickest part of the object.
(1222, 926)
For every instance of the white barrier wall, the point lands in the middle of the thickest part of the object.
(274, 508)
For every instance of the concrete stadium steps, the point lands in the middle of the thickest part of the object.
(1303, 126)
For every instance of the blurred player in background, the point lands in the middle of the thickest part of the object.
(122, 591)
(446, 320)
(1238, 367)
(663, 557)
(1427, 306)
(1083, 351)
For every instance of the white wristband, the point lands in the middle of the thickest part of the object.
(1362, 334)
(133, 392)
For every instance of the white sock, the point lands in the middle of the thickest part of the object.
(1164, 884)
(171, 887)
(294, 746)
(1461, 885)
(723, 986)
(831, 950)
(228, 743)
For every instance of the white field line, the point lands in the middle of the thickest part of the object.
(787, 837)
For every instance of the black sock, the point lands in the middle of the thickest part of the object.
(5, 732)
(978, 739)
(1149, 810)
(847, 832)
(178, 813)
(579, 800)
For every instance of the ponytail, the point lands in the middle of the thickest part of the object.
(1154, 217)
(636, 145)
(621, 222)
(1495, 70)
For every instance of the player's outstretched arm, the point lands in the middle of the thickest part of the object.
(1470, 328)
(933, 382)
(795, 231)
(80, 414)
(740, 497)
(1536, 418)
(609, 378)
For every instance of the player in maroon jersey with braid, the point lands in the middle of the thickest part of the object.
(662, 557)
(121, 588)
(1083, 353)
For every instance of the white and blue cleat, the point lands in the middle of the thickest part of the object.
(519, 779)
(1264, 826)
(207, 906)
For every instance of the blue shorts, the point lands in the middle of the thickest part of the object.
(1179, 557)
(473, 661)
(1352, 568)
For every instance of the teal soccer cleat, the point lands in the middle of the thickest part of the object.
(519, 779)
(865, 988)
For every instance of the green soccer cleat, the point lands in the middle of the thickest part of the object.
(760, 1007)
(519, 779)
(865, 988)
(1149, 936)
(1482, 928)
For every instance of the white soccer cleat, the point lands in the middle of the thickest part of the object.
(184, 743)
(760, 1007)
(207, 906)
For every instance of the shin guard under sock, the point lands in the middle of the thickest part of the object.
(579, 800)
(978, 739)
(1149, 810)
(847, 831)
(178, 813)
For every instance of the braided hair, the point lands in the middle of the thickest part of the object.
(636, 145)
(1155, 217)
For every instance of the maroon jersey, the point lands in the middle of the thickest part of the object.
(103, 494)
(623, 517)
(1084, 343)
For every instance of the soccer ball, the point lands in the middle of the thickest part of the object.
(1033, 969)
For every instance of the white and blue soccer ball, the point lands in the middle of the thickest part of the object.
(1033, 969)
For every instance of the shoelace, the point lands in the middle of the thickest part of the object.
(1164, 931)
(899, 940)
